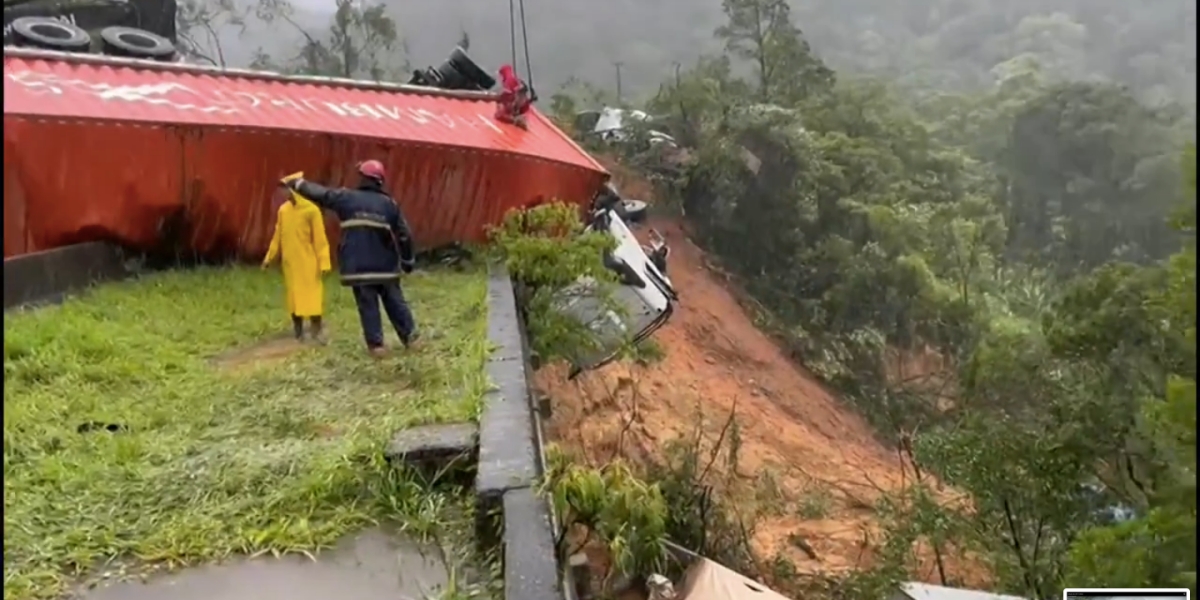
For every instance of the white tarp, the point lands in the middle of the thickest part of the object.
(707, 580)
(614, 118)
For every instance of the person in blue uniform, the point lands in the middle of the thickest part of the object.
(376, 247)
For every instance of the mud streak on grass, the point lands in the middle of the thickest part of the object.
(282, 457)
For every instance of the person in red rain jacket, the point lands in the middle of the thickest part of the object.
(515, 98)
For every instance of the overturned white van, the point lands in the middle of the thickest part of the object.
(630, 310)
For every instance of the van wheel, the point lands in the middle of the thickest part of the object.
(49, 34)
(633, 211)
(136, 43)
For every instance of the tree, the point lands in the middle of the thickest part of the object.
(362, 42)
(1158, 549)
(1090, 175)
(762, 32)
(198, 26)
(1019, 233)
(706, 91)
(1024, 486)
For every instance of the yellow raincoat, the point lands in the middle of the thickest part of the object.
(300, 239)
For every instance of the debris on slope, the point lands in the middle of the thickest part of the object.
(809, 467)
(823, 459)
(631, 184)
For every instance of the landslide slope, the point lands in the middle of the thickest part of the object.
(801, 449)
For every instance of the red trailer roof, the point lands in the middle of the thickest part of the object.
(62, 86)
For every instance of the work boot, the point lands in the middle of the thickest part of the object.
(318, 334)
(413, 340)
(377, 352)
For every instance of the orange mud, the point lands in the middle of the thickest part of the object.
(923, 371)
(817, 462)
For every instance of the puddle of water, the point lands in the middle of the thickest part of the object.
(373, 565)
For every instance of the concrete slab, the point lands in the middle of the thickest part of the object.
(443, 454)
(507, 456)
(438, 443)
(530, 565)
(509, 465)
(373, 565)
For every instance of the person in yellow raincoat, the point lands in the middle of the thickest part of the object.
(301, 243)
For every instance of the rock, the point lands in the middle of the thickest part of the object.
(660, 587)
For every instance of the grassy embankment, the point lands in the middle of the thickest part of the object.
(234, 443)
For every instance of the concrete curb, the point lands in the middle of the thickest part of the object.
(51, 275)
(510, 456)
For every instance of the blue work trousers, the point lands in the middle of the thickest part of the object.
(368, 299)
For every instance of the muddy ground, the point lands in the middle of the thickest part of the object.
(818, 464)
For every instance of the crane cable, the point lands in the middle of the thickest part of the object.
(512, 30)
(513, 7)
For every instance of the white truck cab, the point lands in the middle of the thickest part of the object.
(643, 295)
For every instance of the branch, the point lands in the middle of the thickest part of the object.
(1037, 539)
(1133, 478)
(310, 38)
(855, 501)
(216, 41)
(633, 411)
(192, 48)
(747, 544)
(1026, 570)
(712, 458)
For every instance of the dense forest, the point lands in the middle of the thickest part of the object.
(925, 44)
(1037, 235)
(1008, 186)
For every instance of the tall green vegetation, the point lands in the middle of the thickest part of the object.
(1159, 546)
(1029, 236)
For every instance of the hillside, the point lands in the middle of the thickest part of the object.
(928, 44)
(814, 461)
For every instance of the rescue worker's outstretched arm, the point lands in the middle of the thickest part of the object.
(331, 198)
(404, 241)
(273, 249)
(319, 241)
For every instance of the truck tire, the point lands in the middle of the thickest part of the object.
(467, 67)
(136, 43)
(458, 72)
(50, 34)
(633, 211)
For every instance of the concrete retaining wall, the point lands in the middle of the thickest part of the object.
(510, 456)
(49, 276)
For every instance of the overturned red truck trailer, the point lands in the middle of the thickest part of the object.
(145, 153)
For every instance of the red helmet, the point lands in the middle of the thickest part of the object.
(372, 169)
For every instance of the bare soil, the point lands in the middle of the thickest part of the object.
(268, 351)
(818, 462)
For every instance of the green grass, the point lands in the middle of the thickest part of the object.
(282, 456)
